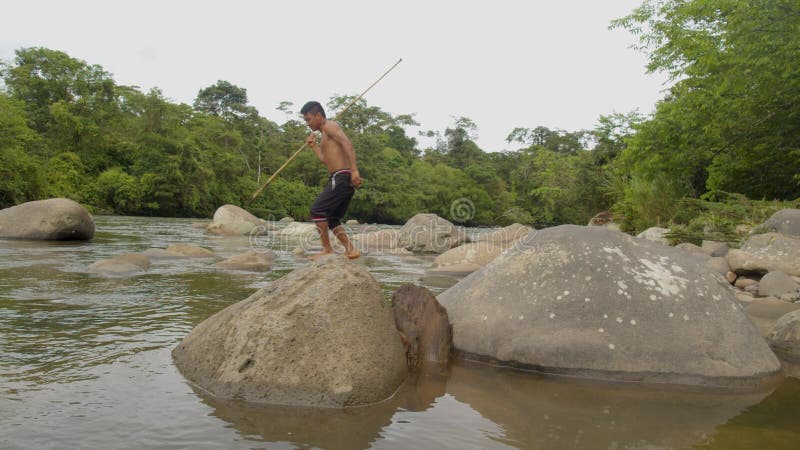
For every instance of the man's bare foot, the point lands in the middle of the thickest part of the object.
(319, 255)
(354, 254)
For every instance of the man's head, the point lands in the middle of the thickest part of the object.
(313, 114)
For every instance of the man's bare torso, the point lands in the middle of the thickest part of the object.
(331, 152)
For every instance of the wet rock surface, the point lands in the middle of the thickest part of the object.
(423, 324)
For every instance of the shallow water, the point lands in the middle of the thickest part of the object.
(85, 363)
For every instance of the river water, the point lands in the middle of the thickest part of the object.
(85, 363)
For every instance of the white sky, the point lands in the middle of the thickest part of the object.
(504, 64)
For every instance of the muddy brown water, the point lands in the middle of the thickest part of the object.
(85, 363)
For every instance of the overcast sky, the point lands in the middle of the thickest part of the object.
(504, 64)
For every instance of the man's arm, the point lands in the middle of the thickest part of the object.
(311, 141)
(334, 132)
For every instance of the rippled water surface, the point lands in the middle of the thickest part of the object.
(85, 363)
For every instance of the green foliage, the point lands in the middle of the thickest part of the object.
(118, 191)
(722, 216)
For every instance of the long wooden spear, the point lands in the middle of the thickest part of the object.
(264, 186)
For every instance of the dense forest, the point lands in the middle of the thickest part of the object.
(728, 127)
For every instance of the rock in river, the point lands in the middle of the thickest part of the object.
(766, 252)
(121, 266)
(594, 302)
(322, 335)
(52, 219)
(233, 220)
(429, 233)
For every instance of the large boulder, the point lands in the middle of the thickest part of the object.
(429, 233)
(599, 303)
(467, 258)
(785, 221)
(423, 325)
(120, 266)
(784, 337)
(52, 219)
(322, 335)
(233, 220)
(505, 235)
(763, 253)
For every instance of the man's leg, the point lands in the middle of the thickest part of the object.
(349, 250)
(322, 229)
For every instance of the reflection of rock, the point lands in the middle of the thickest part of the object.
(121, 266)
(322, 335)
(423, 325)
(51, 219)
(600, 303)
(304, 427)
(252, 261)
(233, 220)
(429, 233)
(547, 413)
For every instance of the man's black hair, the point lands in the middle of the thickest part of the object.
(313, 108)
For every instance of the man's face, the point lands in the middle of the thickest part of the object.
(313, 120)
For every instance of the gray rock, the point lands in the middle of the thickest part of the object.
(784, 337)
(300, 230)
(655, 234)
(57, 219)
(351, 222)
(287, 219)
(785, 221)
(719, 265)
(764, 312)
(322, 335)
(764, 253)
(744, 297)
(777, 283)
(429, 233)
(790, 297)
(251, 260)
(731, 276)
(423, 325)
(232, 220)
(599, 303)
(121, 266)
(743, 282)
(511, 233)
(190, 251)
(694, 250)
(467, 258)
(715, 248)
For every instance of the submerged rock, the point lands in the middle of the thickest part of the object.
(57, 219)
(429, 233)
(598, 303)
(233, 220)
(423, 325)
(763, 253)
(252, 261)
(121, 266)
(322, 335)
(190, 251)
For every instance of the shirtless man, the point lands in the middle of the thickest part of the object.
(336, 152)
